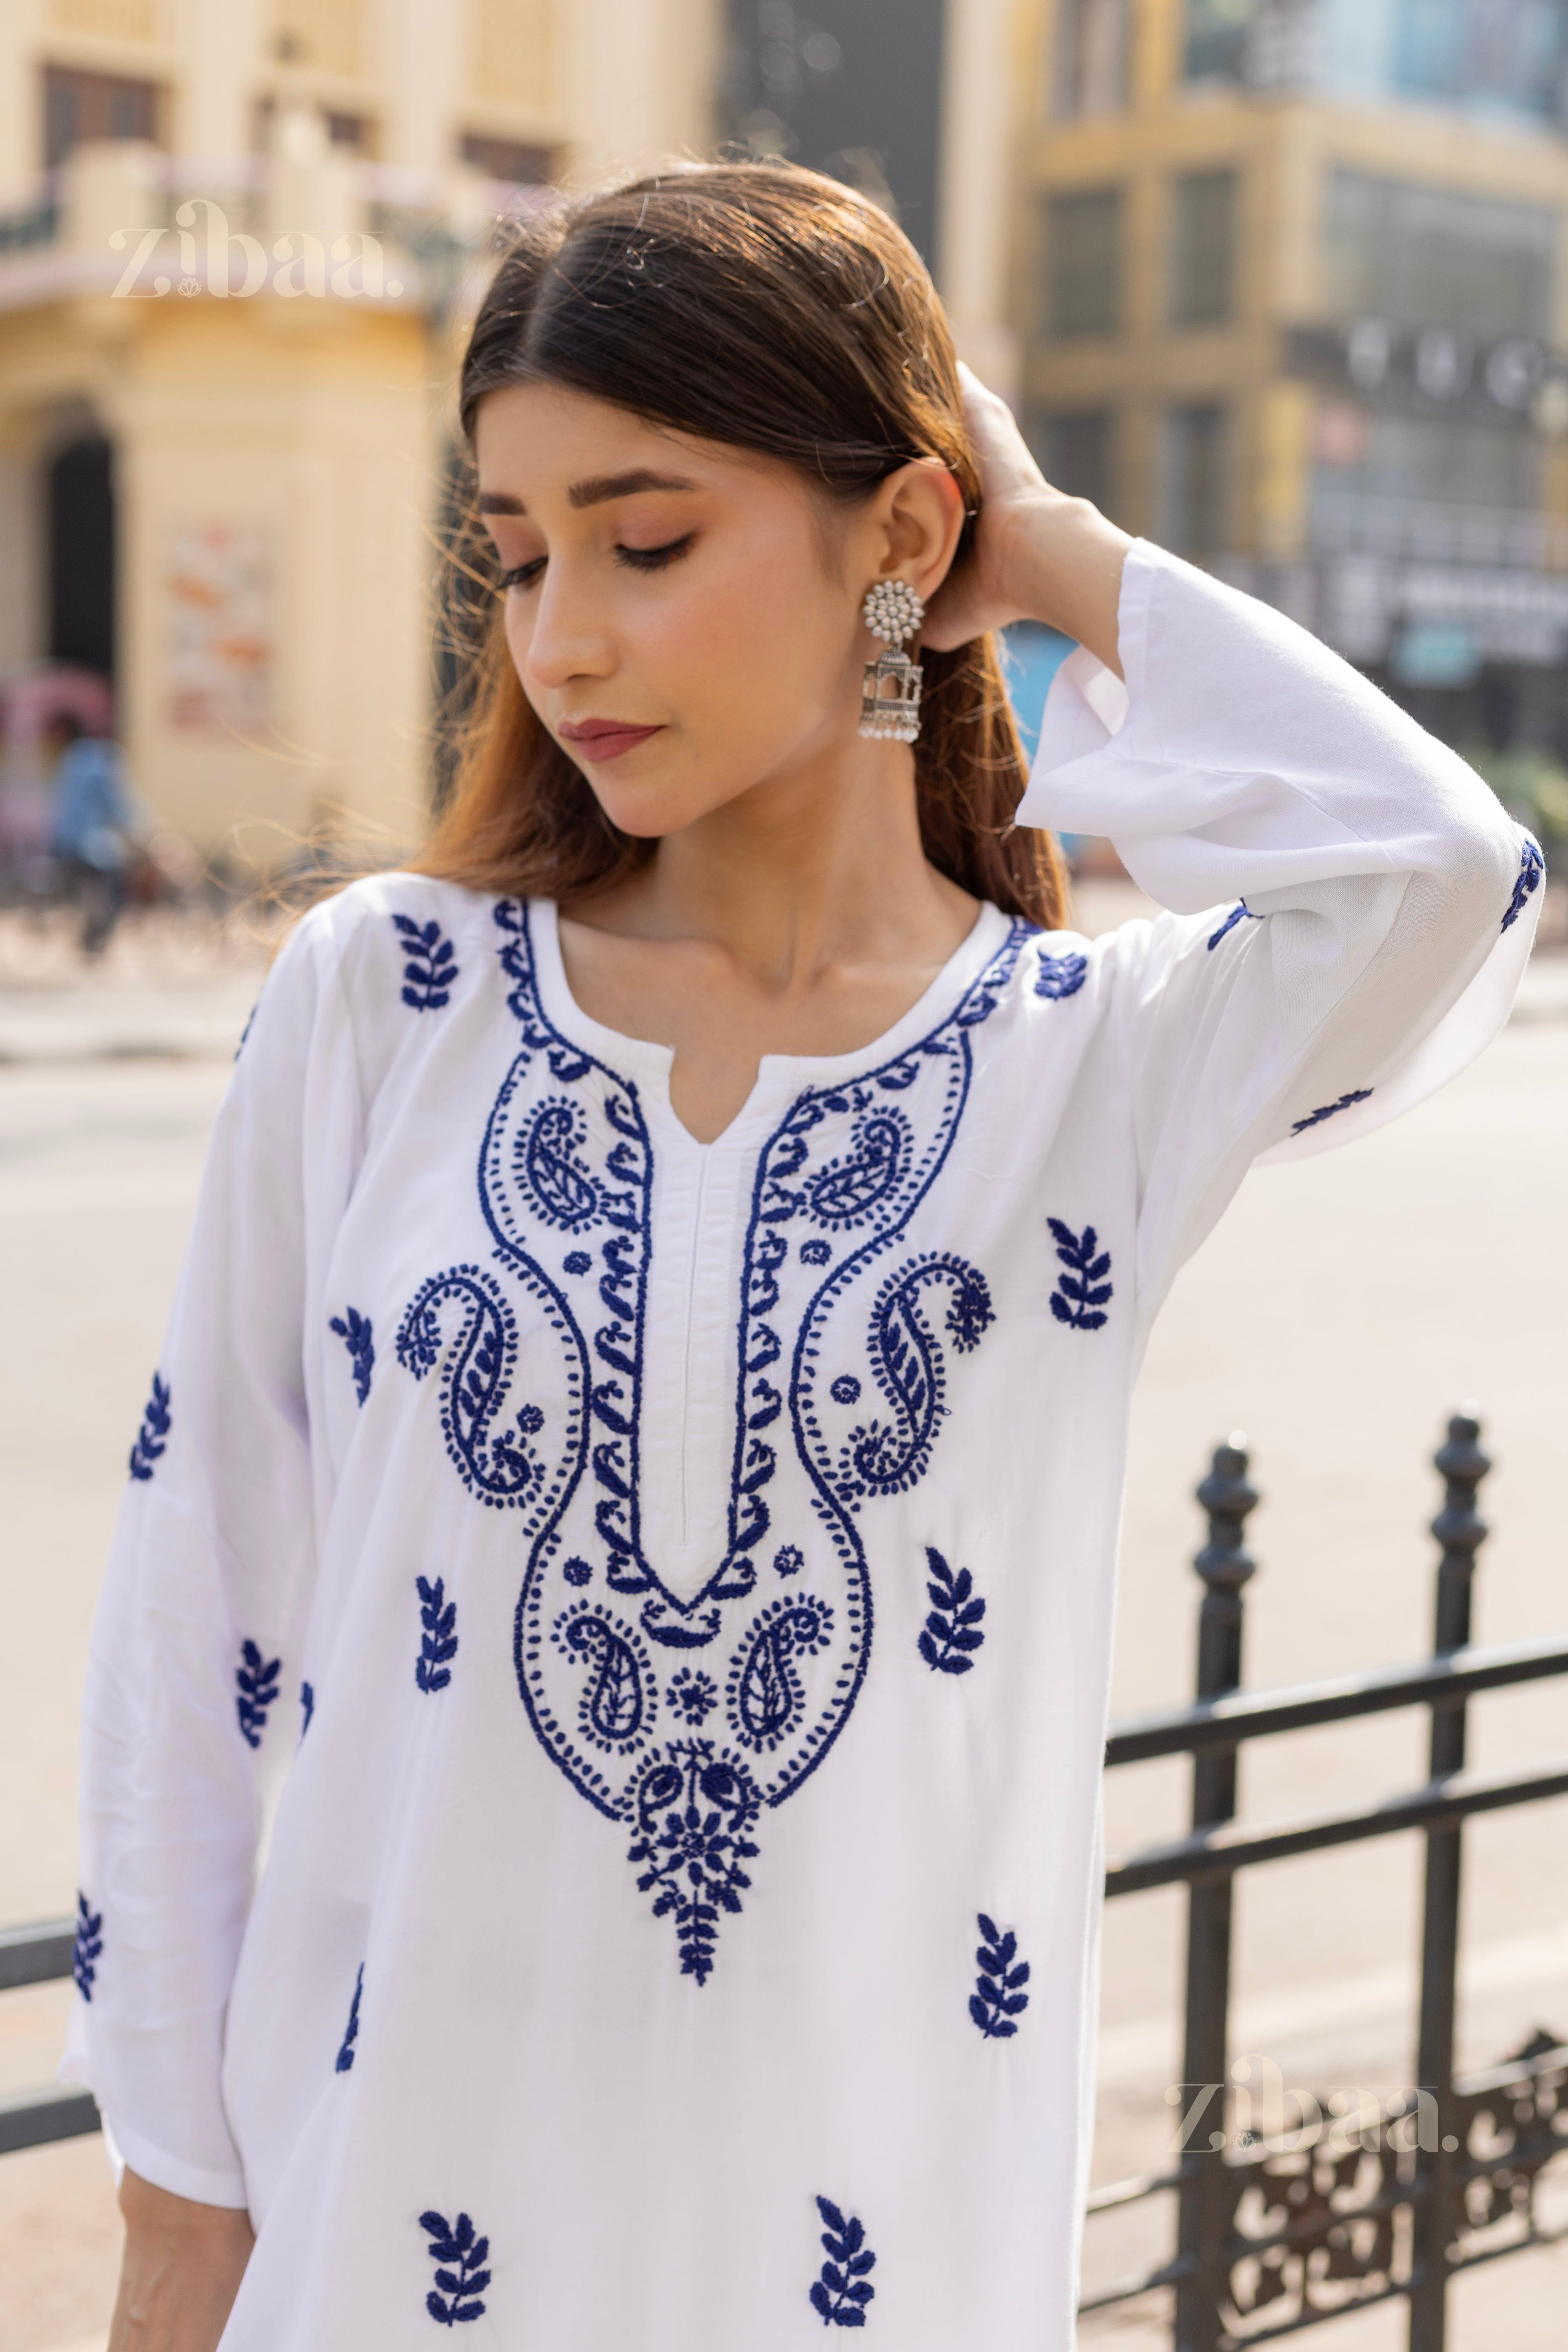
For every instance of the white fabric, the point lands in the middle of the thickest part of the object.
(696, 1439)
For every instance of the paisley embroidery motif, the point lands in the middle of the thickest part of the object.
(618, 1687)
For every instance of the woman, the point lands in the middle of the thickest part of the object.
(630, 1494)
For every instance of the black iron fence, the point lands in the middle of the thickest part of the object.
(1273, 2235)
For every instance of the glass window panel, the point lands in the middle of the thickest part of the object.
(1202, 216)
(1084, 262)
(1433, 257)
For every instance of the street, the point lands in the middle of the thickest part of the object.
(1342, 1310)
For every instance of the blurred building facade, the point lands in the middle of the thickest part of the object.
(234, 241)
(1291, 280)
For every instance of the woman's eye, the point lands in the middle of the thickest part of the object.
(654, 559)
(522, 575)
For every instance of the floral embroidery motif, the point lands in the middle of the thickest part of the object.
(767, 1696)
(430, 964)
(345, 2057)
(456, 2291)
(693, 1694)
(1082, 1293)
(998, 1999)
(879, 1459)
(438, 1635)
(353, 1329)
(88, 1945)
(565, 1149)
(840, 2294)
(307, 1707)
(257, 1687)
(1060, 976)
(1328, 1110)
(1239, 912)
(153, 1433)
(1532, 867)
(477, 1379)
(693, 1810)
(952, 1631)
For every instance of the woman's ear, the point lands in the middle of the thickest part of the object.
(920, 508)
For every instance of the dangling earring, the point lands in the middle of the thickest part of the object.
(891, 689)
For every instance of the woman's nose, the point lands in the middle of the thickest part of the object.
(568, 638)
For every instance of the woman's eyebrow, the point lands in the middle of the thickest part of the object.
(593, 491)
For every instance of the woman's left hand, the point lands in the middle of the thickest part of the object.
(1038, 555)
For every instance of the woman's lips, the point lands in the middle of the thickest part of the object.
(603, 739)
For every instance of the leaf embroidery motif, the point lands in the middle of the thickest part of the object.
(998, 1999)
(462, 2279)
(1082, 1293)
(353, 1329)
(88, 1944)
(1327, 1110)
(694, 1810)
(438, 1642)
(257, 1687)
(430, 964)
(1532, 867)
(345, 2057)
(307, 1707)
(839, 2295)
(951, 1631)
(1060, 976)
(152, 1435)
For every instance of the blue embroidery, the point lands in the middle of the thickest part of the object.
(952, 1631)
(767, 1696)
(567, 1149)
(840, 2294)
(430, 964)
(1532, 867)
(345, 2057)
(1060, 976)
(1328, 1110)
(1079, 1297)
(353, 1329)
(88, 1945)
(307, 1706)
(693, 1810)
(152, 1435)
(877, 1459)
(1237, 912)
(245, 1030)
(438, 1638)
(258, 1686)
(497, 1466)
(693, 1694)
(998, 1999)
(456, 2291)
(846, 1390)
(619, 1693)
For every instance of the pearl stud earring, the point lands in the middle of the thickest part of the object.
(891, 689)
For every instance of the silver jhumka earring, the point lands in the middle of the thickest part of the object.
(891, 689)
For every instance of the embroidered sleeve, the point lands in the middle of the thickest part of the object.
(1350, 906)
(198, 1630)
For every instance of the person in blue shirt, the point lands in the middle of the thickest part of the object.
(95, 826)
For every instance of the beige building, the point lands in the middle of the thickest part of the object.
(1289, 280)
(237, 239)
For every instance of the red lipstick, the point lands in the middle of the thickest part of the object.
(603, 739)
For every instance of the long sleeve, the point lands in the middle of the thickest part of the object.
(192, 1699)
(1351, 908)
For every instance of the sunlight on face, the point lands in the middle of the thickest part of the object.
(672, 606)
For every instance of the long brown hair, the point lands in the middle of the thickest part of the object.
(768, 308)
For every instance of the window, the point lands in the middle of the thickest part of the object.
(1092, 46)
(513, 160)
(1074, 450)
(1432, 257)
(81, 105)
(1194, 485)
(1217, 40)
(1203, 216)
(1084, 262)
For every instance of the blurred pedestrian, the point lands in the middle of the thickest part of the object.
(96, 825)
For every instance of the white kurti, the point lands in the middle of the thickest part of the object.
(651, 1601)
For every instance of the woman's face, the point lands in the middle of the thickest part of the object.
(685, 617)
